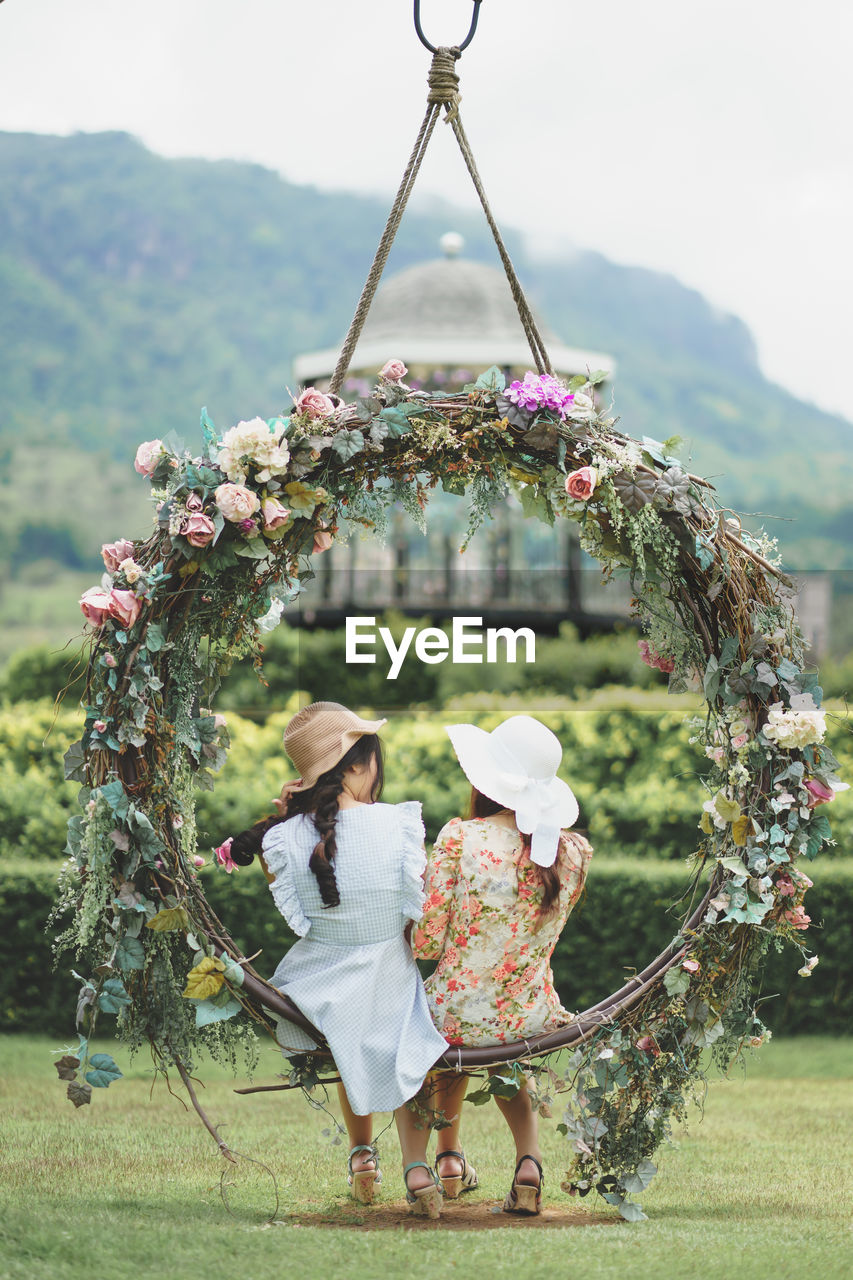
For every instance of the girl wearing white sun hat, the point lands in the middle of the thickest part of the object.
(499, 889)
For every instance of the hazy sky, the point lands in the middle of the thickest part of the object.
(710, 140)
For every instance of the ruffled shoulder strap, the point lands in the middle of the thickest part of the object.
(277, 854)
(414, 858)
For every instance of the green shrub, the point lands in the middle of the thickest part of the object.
(619, 925)
(627, 756)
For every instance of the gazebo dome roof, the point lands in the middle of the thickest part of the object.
(448, 311)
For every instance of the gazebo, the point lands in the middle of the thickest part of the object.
(448, 316)
(448, 319)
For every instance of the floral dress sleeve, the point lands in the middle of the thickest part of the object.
(577, 852)
(441, 876)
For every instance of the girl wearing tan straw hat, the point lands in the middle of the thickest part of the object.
(500, 888)
(346, 872)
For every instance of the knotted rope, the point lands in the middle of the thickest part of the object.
(443, 83)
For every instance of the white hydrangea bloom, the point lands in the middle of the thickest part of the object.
(798, 727)
(253, 443)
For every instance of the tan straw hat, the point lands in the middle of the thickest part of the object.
(320, 735)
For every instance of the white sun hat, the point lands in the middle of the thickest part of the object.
(516, 766)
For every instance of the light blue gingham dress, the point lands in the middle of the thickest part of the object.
(352, 973)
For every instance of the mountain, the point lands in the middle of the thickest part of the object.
(135, 289)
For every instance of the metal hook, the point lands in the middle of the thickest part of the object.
(465, 42)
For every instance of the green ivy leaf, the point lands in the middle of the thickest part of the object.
(116, 797)
(492, 380)
(75, 762)
(209, 1011)
(396, 418)
(154, 637)
(535, 505)
(103, 1071)
(676, 981)
(130, 954)
(113, 998)
(346, 444)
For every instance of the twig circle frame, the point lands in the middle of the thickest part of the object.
(226, 549)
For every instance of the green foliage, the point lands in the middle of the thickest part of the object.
(623, 919)
(626, 756)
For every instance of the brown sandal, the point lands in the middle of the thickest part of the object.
(523, 1196)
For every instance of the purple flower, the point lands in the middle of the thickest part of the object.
(540, 391)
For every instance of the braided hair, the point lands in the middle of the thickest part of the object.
(247, 845)
(321, 802)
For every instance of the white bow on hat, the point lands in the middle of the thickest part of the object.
(516, 766)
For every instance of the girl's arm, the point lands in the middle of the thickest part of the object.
(441, 875)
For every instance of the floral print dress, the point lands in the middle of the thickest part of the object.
(493, 982)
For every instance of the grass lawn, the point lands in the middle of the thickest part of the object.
(758, 1186)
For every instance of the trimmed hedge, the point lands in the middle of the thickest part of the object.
(626, 752)
(620, 923)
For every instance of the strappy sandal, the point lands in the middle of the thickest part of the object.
(365, 1181)
(455, 1183)
(523, 1196)
(426, 1201)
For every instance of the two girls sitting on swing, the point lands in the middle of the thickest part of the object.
(350, 876)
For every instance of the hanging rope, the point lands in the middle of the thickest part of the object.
(443, 83)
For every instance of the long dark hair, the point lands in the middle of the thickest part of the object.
(548, 877)
(321, 802)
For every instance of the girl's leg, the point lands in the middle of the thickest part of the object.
(413, 1133)
(447, 1095)
(523, 1122)
(360, 1131)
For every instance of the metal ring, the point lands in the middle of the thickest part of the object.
(465, 42)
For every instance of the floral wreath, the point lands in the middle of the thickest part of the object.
(236, 528)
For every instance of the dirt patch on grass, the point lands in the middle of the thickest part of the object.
(462, 1215)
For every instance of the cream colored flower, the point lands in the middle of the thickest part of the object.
(253, 444)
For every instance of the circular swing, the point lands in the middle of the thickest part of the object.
(236, 528)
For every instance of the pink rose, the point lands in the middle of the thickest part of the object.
(110, 660)
(654, 659)
(124, 606)
(100, 726)
(198, 529)
(219, 721)
(581, 483)
(785, 886)
(95, 604)
(797, 917)
(223, 855)
(313, 403)
(740, 741)
(236, 502)
(114, 552)
(322, 541)
(147, 457)
(194, 502)
(274, 514)
(820, 794)
(647, 1045)
(198, 860)
(393, 371)
(692, 966)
